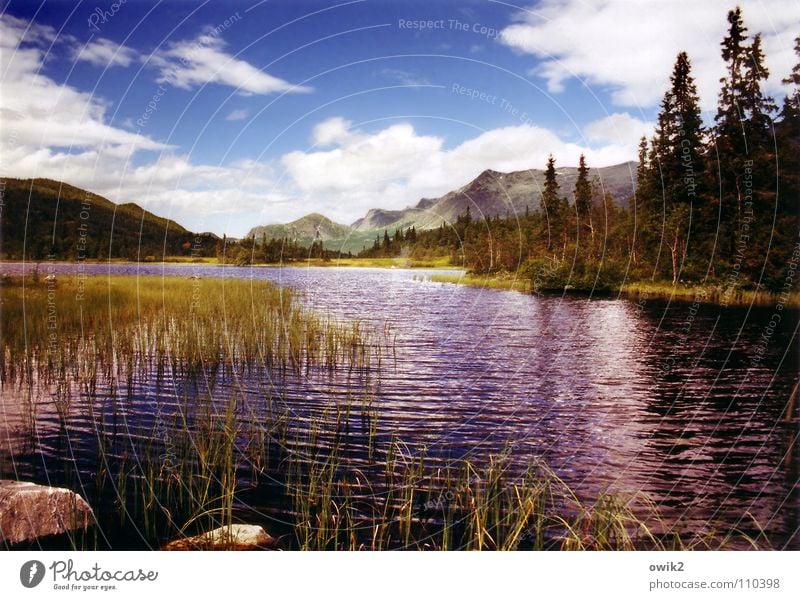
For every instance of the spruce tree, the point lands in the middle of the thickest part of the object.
(680, 137)
(744, 142)
(583, 199)
(550, 199)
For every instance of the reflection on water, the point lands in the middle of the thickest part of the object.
(612, 394)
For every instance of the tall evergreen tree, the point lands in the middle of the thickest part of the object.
(550, 199)
(743, 135)
(680, 137)
(583, 199)
(791, 103)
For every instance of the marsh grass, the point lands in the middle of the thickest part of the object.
(706, 294)
(140, 363)
(710, 294)
(499, 281)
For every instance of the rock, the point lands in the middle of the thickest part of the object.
(29, 511)
(237, 537)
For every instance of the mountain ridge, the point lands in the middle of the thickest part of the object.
(492, 193)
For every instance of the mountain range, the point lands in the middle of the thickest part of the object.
(492, 193)
(41, 217)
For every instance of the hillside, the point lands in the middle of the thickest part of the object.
(304, 230)
(43, 217)
(492, 193)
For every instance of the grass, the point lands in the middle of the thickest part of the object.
(505, 281)
(139, 363)
(76, 326)
(707, 294)
(710, 294)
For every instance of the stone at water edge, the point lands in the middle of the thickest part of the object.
(29, 511)
(237, 537)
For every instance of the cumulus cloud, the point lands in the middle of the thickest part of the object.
(637, 58)
(104, 53)
(334, 130)
(619, 128)
(56, 131)
(37, 112)
(188, 64)
(396, 166)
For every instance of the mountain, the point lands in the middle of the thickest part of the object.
(495, 194)
(43, 217)
(378, 218)
(492, 193)
(304, 230)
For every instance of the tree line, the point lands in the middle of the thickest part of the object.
(713, 204)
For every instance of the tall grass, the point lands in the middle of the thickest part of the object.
(710, 294)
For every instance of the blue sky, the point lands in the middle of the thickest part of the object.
(226, 115)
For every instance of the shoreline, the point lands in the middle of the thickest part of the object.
(640, 290)
(377, 263)
(634, 290)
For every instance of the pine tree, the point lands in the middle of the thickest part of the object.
(791, 103)
(550, 199)
(583, 199)
(680, 137)
(742, 135)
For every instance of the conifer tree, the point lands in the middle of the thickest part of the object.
(583, 199)
(550, 199)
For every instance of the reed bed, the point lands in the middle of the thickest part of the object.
(114, 326)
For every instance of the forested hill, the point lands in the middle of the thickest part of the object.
(42, 217)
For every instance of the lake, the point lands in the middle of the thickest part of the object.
(615, 395)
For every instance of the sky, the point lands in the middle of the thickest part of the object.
(228, 115)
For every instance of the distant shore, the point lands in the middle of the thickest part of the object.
(639, 290)
(383, 263)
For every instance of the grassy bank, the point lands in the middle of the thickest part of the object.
(709, 294)
(381, 262)
(704, 294)
(494, 282)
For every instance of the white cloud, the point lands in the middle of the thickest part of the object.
(191, 63)
(104, 53)
(334, 130)
(240, 114)
(395, 166)
(619, 128)
(37, 112)
(56, 131)
(631, 46)
(15, 30)
(404, 77)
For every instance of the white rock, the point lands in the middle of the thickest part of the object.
(235, 537)
(29, 511)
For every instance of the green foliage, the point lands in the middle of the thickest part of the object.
(48, 218)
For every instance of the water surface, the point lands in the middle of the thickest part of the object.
(618, 395)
